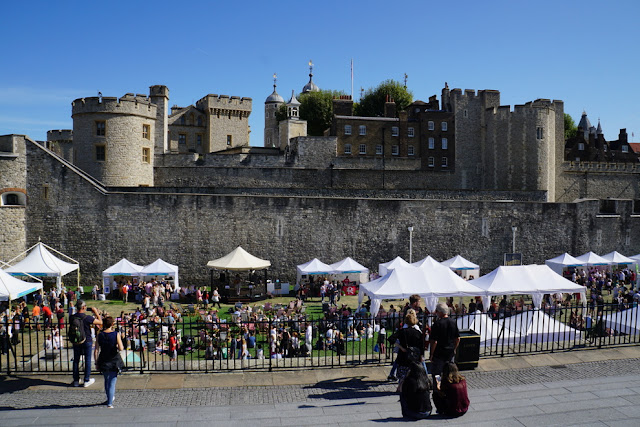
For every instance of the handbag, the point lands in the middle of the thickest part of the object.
(376, 348)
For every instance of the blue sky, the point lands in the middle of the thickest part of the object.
(582, 52)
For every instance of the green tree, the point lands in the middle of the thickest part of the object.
(372, 104)
(570, 128)
(316, 108)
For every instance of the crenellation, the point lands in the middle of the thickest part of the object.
(124, 105)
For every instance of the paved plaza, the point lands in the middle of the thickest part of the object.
(603, 392)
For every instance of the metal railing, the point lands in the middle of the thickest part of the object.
(277, 343)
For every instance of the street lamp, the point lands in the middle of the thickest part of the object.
(513, 240)
(410, 243)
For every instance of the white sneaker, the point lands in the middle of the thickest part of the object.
(90, 382)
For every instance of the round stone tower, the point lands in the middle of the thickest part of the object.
(114, 138)
(271, 106)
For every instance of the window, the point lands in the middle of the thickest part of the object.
(379, 149)
(445, 143)
(347, 148)
(465, 114)
(198, 140)
(146, 155)
(432, 143)
(444, 126)
(410, 133)
(182, 139)
(101, 153)
(431, 125)
(539, 133)
(347, 129)
(395, 131)
(229, 139)
(395, 150)
(625, 148)
(581, 146)
(45, 191)
(445, 162)
(13, 199)
(146, 131)
(410, 150)
(363, 130)
(183, 120)
(101, 128)
(432, 162)
(200, 120)
(363, 149)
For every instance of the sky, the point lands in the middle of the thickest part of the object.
(585, 53)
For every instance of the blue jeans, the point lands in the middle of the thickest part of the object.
(110, 379)
(80, 350)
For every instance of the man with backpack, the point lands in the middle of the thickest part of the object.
(82, 340)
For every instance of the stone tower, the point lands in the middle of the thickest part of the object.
(271, 106)
(227, 121)
(159, 96)
(293, 126)
(114, 138)
(13, 196)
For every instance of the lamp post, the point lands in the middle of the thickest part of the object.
(513, 240)
(410, 243)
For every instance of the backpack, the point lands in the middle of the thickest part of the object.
(76, 331)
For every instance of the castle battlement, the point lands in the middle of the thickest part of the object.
(224, 102)
(526, 108)
(59, 135)
(139, 105)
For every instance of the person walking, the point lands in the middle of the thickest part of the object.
(444, 340)
(84, 348)
(107, 354)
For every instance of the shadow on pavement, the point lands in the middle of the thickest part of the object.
(12, 383)
(350, 388)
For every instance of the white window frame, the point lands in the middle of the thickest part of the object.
(580, 146)
(395, 150)
(444, 126)
(411, 151)
(624, 148)
(347, 148)
(379, 151)
(431, 125)
(362, 149)
(431, 162)
(411, 132)
(347, 129)
(445, 162)
(362, 130)
(395, 131)
(432, 143)
(445, 143)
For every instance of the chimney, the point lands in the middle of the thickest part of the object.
(389, 108)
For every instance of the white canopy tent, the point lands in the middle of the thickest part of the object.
(590, 259)
(615, 258)
(315, 266)
(559, 263)
(239, 260)
(534, 280)
(41, 262)
(390, 265)
(492, 333)
(462, 265)
(12, 288)
(161, 268)
(348, 266)
(124, 267)
(537, 327)
(626, 321)
(431, 281)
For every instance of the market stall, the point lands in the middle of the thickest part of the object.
(40, 262)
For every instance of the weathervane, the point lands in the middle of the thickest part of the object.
(405, 80)
(275, 78)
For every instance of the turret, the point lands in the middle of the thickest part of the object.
(159, 95)
(271, 106)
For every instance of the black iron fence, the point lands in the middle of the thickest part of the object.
(298, 342)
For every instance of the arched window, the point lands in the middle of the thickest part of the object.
(200, 121)
(13, 199)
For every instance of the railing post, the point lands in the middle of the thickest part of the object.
(269, 344)
(7, 344)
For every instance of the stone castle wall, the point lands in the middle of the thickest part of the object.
(13, 178)
(584, 180)
(191, 229)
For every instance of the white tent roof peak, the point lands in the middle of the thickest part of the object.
(617, 258)
(428, 260)
(315, 266)
(394, 263)
(239, 260)
(591, 258)
(348, 265)
(460, 263)
(124, 267)
(565, 260)
(41, 262)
